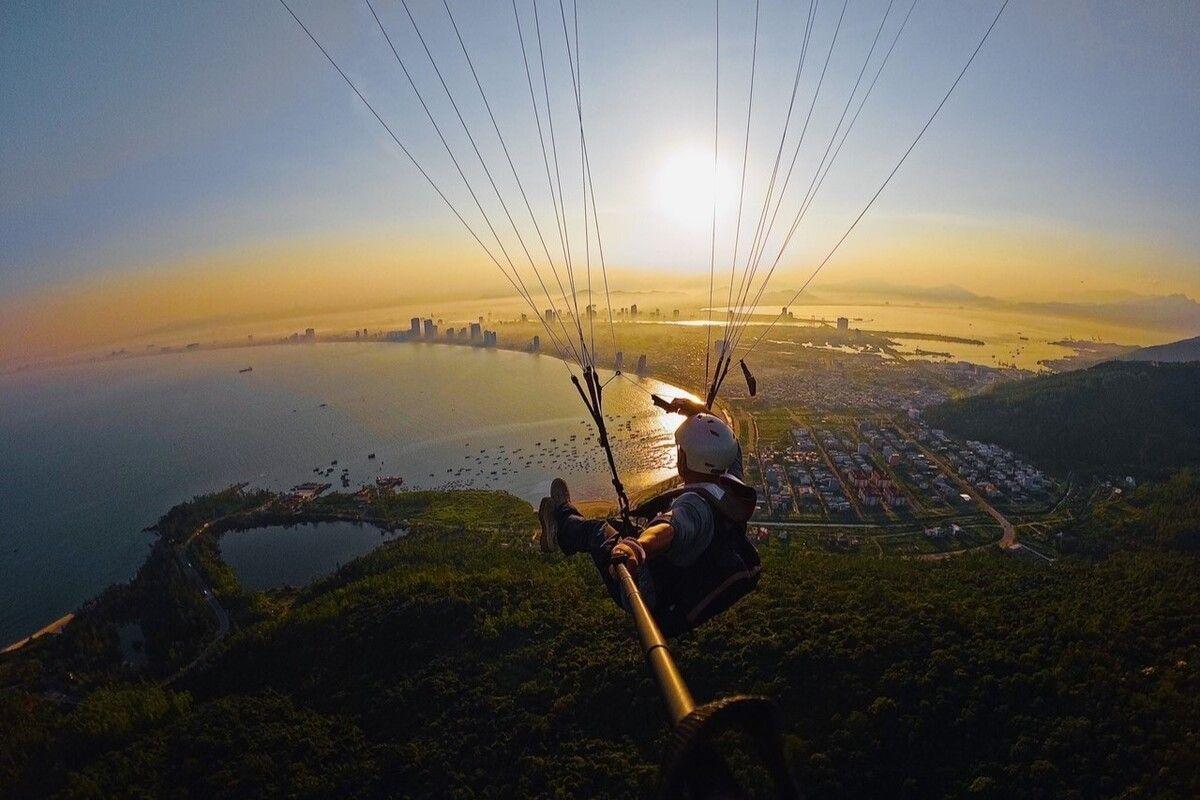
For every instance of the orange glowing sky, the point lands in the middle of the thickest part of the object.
(177, 166)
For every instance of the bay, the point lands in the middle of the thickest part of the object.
(92, 454)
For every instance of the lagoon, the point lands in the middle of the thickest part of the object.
(277, 556)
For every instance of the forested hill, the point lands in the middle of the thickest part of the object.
(459, 663)
(1184, 350)
(1115, 418)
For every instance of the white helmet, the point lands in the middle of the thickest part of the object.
(706, 444)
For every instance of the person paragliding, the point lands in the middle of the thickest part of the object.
(687, 549)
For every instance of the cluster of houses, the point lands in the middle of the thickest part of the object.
(941, 532)
(876, 466)
(995, 471)
(798, 479)
(861, 381)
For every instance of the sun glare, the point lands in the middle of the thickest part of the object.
(686, 186)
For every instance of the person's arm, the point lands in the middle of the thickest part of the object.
(650, 543)
(680, 535)
(657, 538)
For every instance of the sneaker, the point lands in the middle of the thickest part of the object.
(560, 495)
(547, 535)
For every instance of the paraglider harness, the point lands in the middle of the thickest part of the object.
(725, 571)
(693, 767)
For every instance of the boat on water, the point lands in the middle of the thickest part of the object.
(246, 369)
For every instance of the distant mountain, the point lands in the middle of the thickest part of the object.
(1164, 312)
(944, 293)
(1116, 418)
(1183, 350)
(1171, 312)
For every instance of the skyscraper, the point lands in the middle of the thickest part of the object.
(843, 325)
(414, 327)
(430, 329)
(476, 331)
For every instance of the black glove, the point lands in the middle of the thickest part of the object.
(680, 405)
(627, 551)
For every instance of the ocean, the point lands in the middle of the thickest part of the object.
(90, 455)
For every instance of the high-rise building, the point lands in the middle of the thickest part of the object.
(843, 325)
(642, 367)
(550, 315)
(535, 346)
(415, 327)
(310, 335)
(476, 331)
(675, 313)
(430, 329)
(633, 310)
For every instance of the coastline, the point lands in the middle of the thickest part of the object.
(53, 628)
(34, 625)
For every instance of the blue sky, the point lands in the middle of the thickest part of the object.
(140, 136)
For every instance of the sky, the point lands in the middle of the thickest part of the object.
(167, 163)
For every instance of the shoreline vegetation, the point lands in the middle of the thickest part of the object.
(190, 532)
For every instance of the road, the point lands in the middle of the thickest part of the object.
(1008, 540)
(851, 495)
(210, 597)
(762, 478)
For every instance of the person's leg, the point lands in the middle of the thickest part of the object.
(563, 526)
(596, 538)
(576, 534)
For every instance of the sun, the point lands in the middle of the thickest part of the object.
(686, 186)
